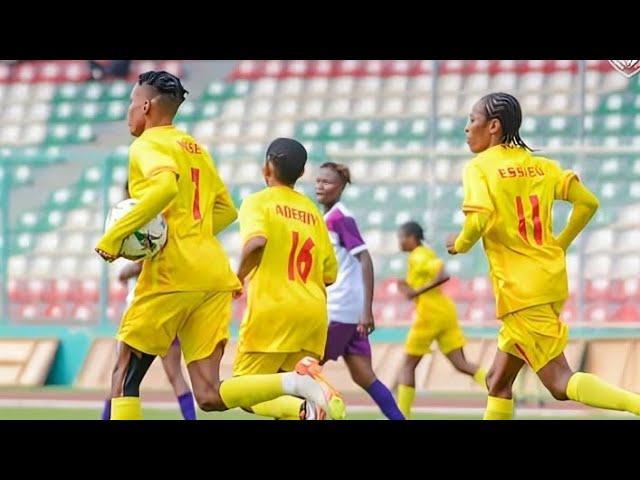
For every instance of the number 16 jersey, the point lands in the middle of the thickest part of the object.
(287, 299)
(518, 190)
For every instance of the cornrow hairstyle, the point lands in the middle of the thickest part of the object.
(165, 84)
(505, 108)
(341, 169)
(413, 228)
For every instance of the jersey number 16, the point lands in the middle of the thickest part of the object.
(301, 262)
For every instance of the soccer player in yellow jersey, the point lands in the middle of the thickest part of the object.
(186, 289)
(288, 260)
(435, 318)
(508, 195)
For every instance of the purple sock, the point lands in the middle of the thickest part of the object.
(383, 397)
(187, 407)
(106, 413)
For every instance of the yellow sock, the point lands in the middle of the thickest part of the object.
(480, 377)
(126, 408)
(250, 390)
(406, 394)
(283, 408)
(498, 408)
(590, 390)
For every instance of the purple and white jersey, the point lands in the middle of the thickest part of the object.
(345, 298)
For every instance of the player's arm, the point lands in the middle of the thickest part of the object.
(224, 212)
(585, 205)
(162, 189)
(367, 323)
(130, 270)
(477, 207)
(441, 277)
(250, 256)
(475, 224)
(330, 262)
(253, 230)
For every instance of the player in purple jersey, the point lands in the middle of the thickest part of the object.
(350, 297)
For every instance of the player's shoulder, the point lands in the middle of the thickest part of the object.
(257, 197)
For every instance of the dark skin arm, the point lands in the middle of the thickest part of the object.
(131, 270)
(410, 293)
(367, 324)
(250, 259)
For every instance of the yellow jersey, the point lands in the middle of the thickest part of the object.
(423, 265)
(287, 299)
(518, 189)
(193, 259)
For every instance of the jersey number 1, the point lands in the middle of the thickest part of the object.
(535, 213)
(195, 178)
(303, 261)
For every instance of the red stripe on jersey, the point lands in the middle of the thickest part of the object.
(526, 359)
(522, 226)
(537, 225)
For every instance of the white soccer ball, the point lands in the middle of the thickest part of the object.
(144, 243)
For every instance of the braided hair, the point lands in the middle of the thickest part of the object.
(341, 169)
(166, 84)
(505, 108)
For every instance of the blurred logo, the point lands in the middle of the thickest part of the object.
(628, 68)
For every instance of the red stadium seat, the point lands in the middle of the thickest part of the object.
(624, 290)
(453, 288)
(83, 312)
(452, 66)
(247, 70)
(350, 68)
(597, 289)
(323, 68)
(89, 291)
(479, 312)
(274, 68)
(117, 291)
(55, 311)
(628, 312)
(597, 312)
(400, 68)
(297, 68)
(388, 290)
(481, 288)
(569, 312)
(5, 73)
(17, 291)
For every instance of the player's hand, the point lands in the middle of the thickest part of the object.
(405, 290)
(451, 242)
(236, 294)
(367, 325)
(106, 256)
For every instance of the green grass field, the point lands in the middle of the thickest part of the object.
(29, 413)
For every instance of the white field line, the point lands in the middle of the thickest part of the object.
(155, 405)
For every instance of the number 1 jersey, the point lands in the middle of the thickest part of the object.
(193, 259)
(287, 299)
(518, 190)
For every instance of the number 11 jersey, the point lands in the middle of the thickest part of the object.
(287, 299)
(518, 190)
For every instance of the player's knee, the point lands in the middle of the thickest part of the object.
(364, 379)
(498, 387)
(209, 399)
(558, 391)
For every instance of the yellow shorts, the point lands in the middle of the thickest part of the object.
(443, 328)
(199, 319)
(534, 334)
(257, 363)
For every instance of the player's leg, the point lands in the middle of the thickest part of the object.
(407, 383)
(131, 367)
(203, 346)
(172, 365)
(146, 331)
(285, 407)
(362, 373)
(451, 341)
(564, 384)
(500, 378)
(460, 363)
(418, 344)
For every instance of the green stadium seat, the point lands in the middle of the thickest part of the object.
(115, 110)
(210, 110)
(93, 92)
(119, 90)
(68, 93)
